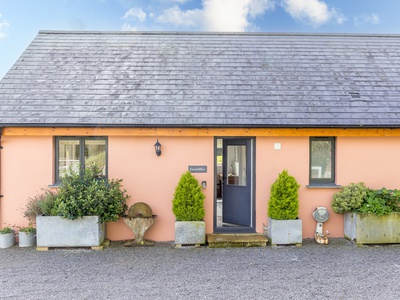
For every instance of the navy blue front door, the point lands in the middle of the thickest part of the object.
(237, 208)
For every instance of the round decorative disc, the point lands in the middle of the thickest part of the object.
(321, 214)
(140, 210)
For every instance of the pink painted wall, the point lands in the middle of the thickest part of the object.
(153, 179)
(293, 156)
(27, 165)
(372, 160)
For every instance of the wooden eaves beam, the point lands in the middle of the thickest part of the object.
(286, 132)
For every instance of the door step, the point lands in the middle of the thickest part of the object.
(216, 240)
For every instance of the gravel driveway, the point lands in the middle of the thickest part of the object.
(340, 270)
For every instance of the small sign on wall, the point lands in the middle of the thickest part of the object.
(197, 169)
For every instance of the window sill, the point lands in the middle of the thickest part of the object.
(324, 186)
(54, 186)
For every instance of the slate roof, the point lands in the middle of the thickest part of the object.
(183, 79)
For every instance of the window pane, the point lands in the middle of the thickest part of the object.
(321, 154)
(236, 165)
(68, 156)
(95, 153)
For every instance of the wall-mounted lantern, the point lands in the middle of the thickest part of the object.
(157, 148)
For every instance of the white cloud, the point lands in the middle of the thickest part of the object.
(218, 15)
(128, 27)
(226, 15)
(315, 12)
(259, 7)
(135, 13)
(3, 26)
(178, 17)
(174, 1)
(371, 19)
(340, 18)
(233, 15)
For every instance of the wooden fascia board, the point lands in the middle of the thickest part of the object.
(210, 132)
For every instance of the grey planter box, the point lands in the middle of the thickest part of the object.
(26, 239)
(285, 232)
(370, 229)
(190, 233)
(59, 232)
(7, 240)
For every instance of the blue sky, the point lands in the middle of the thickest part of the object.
(20, 20)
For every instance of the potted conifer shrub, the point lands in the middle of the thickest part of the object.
(284, 226)
(188, 208)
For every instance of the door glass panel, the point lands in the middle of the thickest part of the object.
(236, 170)
(219, 159)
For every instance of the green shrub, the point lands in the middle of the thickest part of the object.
(6, 230)
(283, 203)
(374, 204)
(188, 201)
(359, 198)
(27, 229)
(381, 202)
(42, 204)
(88, 195)
(391, 198)
(350, 198)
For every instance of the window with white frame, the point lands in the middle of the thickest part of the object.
(322, 160)
(75, 153)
